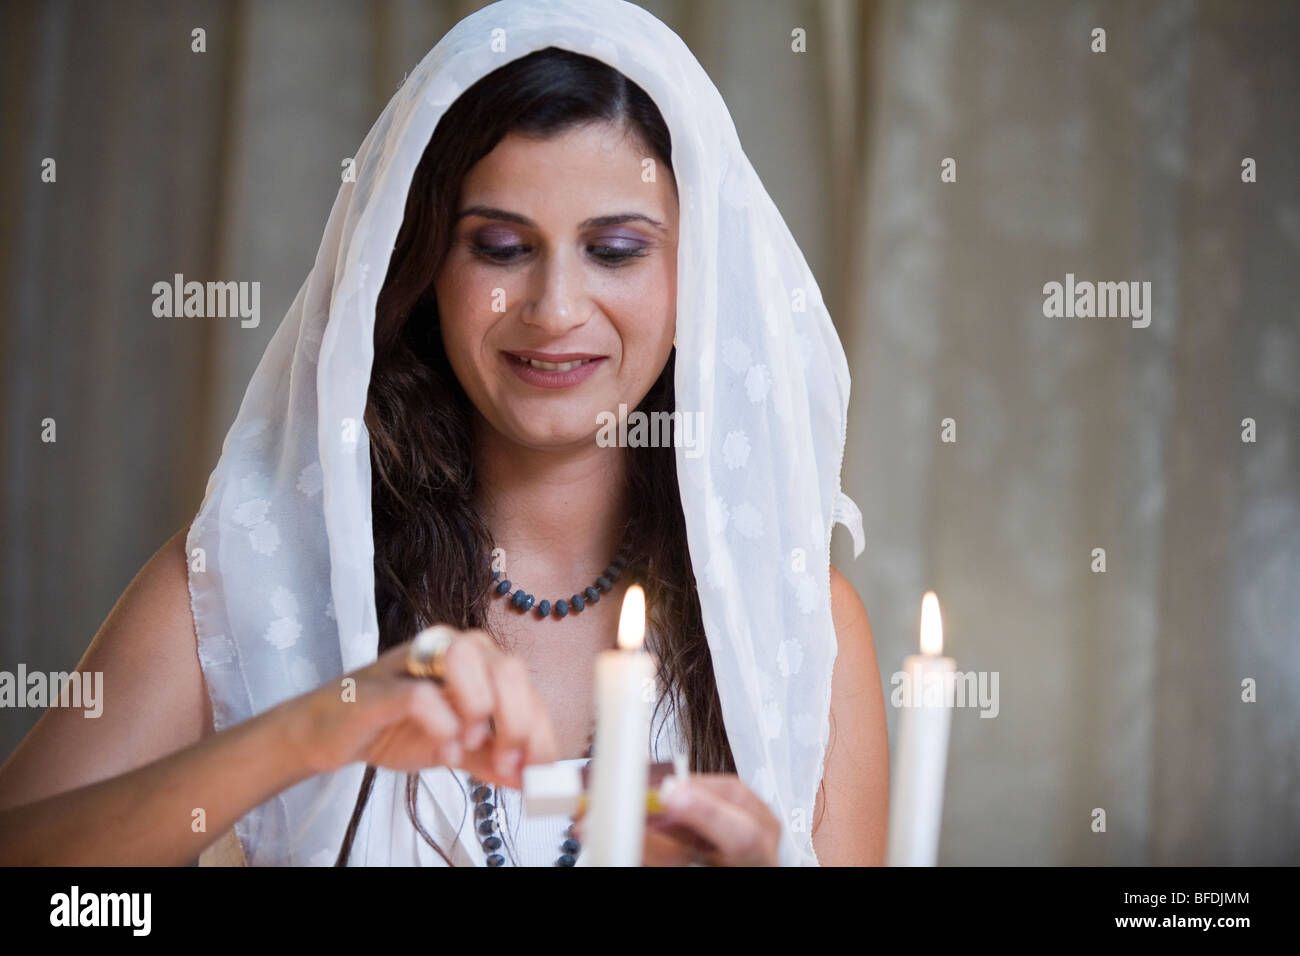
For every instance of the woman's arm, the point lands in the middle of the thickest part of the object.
(854, 812)
(153, 700)
(146, 817)
(103, 789)
(122, 788)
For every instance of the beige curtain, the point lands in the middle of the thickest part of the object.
(1120, 691)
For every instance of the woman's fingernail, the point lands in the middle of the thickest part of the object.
(672, 792)
(475, 736)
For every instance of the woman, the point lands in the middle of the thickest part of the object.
(555, 225)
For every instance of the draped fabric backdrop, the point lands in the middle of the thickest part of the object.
(1119, 690)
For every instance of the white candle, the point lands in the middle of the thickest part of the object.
(916, 800)
(614, 829)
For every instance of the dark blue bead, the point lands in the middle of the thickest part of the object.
(561, 608)
(480, 794)
(517, 599)
(577, 603)
(571, 846)
(503, 587)
(612, 573)
(492, 843)
(592, 595)
(528, 602)
(496, 859)
(603, 583)
(486, 828)
(544, 609)
(496, 574)
(483, 810)
(566, 860)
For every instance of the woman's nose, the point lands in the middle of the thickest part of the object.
(558, 300)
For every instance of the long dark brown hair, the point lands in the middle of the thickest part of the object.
(432, 545)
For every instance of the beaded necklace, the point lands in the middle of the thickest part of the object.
(487, 797)
(525, 602)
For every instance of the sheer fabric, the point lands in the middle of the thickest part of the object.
(285, 597)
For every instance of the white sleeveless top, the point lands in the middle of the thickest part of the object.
(446, 811)
(528, 841)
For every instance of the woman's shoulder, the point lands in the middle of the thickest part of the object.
(849, 614)
(148, 641)
(857, 763)
(145, 652)
(846, 605)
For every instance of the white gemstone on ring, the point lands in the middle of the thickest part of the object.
(430, 644)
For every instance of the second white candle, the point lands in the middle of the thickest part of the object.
(614, 831)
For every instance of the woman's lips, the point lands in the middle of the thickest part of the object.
(559, 370)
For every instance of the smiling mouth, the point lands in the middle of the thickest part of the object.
(552, 366)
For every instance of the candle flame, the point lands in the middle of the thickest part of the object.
(631, 621)
(931, 625)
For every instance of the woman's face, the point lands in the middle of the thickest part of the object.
(561, 253)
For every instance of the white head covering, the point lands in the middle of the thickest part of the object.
(287, 598)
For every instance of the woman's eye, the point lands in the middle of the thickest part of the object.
(610, 255)
(500, 253)
(617, 254)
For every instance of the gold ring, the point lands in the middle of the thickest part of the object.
(425, 658)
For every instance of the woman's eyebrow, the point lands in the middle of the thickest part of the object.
(490, 212)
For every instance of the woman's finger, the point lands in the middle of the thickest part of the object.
(432, 712)
(468, 687)
(738, 835)
(520, 719)
(730, 788)
(511, 714)
(420, 707)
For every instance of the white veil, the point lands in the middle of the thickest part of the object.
(284, 593)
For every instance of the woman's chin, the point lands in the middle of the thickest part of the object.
(559, 425)
(553, 436)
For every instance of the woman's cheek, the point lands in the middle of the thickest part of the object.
(472, 316)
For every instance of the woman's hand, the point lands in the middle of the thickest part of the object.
(711, 819)
(390, 719)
